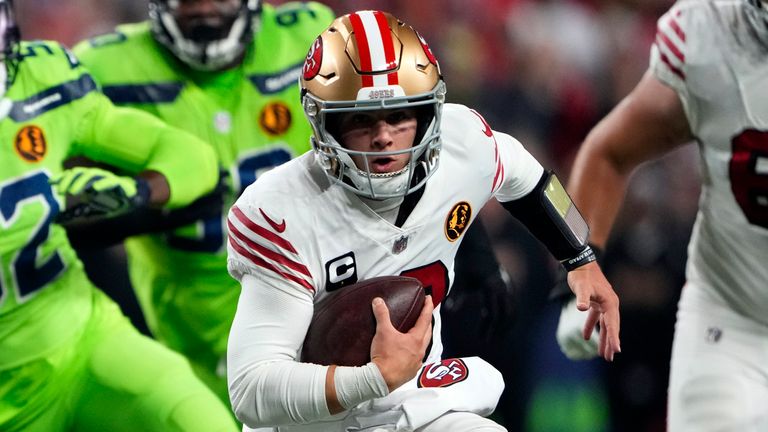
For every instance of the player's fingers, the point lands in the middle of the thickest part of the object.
(589, 324)
(381, 312)
(424, 322)
(602, 348)
(64, 181)
(611, 329)
(582, 297)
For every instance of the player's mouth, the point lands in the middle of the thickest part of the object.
(384, 164)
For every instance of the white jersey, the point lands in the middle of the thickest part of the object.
(715, 55)
(318, 238)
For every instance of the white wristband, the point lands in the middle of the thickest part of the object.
(355, 385)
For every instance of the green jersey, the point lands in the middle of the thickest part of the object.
(252, 116)
(55, 111)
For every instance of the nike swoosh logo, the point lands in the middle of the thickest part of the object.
(279, 227)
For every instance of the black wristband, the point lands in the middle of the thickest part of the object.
(585, 257)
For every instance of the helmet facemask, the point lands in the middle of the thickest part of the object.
(333, 85)
(9, 46)
(203, 46)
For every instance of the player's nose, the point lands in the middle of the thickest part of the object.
(381, 134)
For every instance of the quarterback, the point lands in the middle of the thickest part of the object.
(69, 360)
(225, 71)
(395, 178)
(707, 81)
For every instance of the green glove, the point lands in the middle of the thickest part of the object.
(94, 192)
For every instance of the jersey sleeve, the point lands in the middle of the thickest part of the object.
(674, 50)
(259, 245)
(515, 170)
(135, 141)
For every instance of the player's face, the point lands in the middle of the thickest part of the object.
(204, 20)
(379, 131)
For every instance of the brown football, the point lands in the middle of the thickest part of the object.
(343, 324)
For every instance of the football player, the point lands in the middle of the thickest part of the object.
(225, 71)
(69, 360)
(707, 81)
(395, 178)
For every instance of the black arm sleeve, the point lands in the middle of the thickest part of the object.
(545, 223)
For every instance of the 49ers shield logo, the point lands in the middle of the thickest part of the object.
(30, 143)
(443, 374)
(314, 59)
(457, 220)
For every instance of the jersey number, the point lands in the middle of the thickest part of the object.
(212, 229)
(434, 278)
(27, 275)
(748, 171)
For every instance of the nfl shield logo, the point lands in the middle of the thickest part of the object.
(400, 245)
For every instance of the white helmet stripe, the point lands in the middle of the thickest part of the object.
(374, 47)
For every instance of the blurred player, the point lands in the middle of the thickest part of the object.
(69, 360)
(370, 200)
(707, 81)
(226, 71)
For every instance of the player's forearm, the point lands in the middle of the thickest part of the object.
(597, 188)
(648, 123)
(136, 141)
(190, 166)
(279, 393)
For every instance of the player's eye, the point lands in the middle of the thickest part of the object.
(360, 120)
(399, 116)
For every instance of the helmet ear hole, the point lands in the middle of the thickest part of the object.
(424, 116)
(333, 125)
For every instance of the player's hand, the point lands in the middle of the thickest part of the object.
(96, 192)
(570, 333)
(595, 294)
(399, 355)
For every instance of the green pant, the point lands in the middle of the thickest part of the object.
(109, 377)
(188, 311)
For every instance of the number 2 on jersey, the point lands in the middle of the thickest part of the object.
(26, 275)
(434, 278)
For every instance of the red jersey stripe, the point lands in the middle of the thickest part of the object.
(676, 28)
(272, 255)
(671, 67)
(671, 45)
(362, 49)
(261, 231)
(261, 263)
(496, 177)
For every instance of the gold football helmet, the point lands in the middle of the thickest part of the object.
(369, 60)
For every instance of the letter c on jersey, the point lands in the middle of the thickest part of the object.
(341, 271)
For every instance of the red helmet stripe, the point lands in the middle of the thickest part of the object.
(362, 48)
(389, 47)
